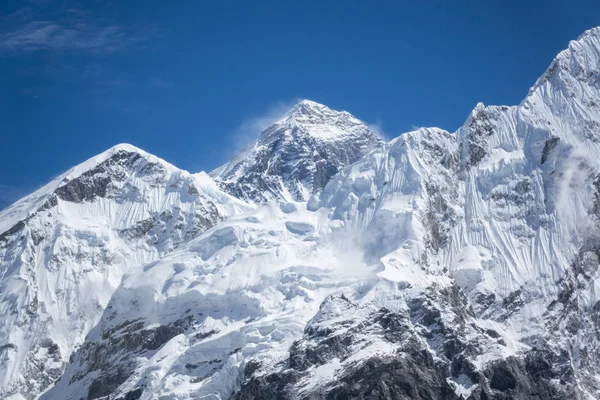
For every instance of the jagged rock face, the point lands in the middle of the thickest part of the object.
(297, 156)
(106, 373)
(399, 364)
(61, 261)
(104, 179)
(400, 367)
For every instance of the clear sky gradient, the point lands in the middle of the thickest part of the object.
(190, 81)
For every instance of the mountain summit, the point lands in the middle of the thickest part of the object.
(297, 155)
(322, 122)
(65, 248)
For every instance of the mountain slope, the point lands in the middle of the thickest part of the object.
(64, 249)
(508, 208)
(438, 266)
(185, 326)
(296, 156)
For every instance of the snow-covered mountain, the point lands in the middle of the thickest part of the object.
(436, 266)
(296, 156)
(65, 248)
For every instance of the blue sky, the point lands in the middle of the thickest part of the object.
(191, 81)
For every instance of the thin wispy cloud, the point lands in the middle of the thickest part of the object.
(160, 83)
(72, 30)
(50, 35)
(10, 194)
(377, 128)
(91, 71)
(252, 126)
(113, 82)
(78, 12)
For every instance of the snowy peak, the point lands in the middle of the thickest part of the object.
(65, 248)
(115, 165)
(122, 148)
(308, 110)
(127, 156)
(320, 121)
(308, 107)
(576, 64)
(93, 178)
(295, 157)
(126, 176)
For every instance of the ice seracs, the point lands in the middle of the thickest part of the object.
(188, 324)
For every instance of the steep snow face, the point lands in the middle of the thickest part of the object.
(296, 156)
(508, 206)
(499, 196)
(185, 326)
(64, 249)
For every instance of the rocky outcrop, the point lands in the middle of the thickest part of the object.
(413, 355)
(297, 156)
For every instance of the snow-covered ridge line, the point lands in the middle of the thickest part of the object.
(23, 208)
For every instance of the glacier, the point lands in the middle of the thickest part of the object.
(323, 262)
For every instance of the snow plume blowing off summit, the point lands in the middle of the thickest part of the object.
(323, 263)
(297, 155)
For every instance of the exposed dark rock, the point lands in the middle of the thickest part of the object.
(106, 384)
(548, 147)
(7, 346)
(270, 387)
(192, 190)
(503, 378)
(401, 378)
(79, 189)
(52, 201)
(480, 128)
(204, 335)
(98, 181)
(530, 377)
(15, 228)
(439, 216)
(134, 394)
(172, 227)
(511, 304)
(132, 339)
(413, 372)
(288, 159)
(518, 194)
